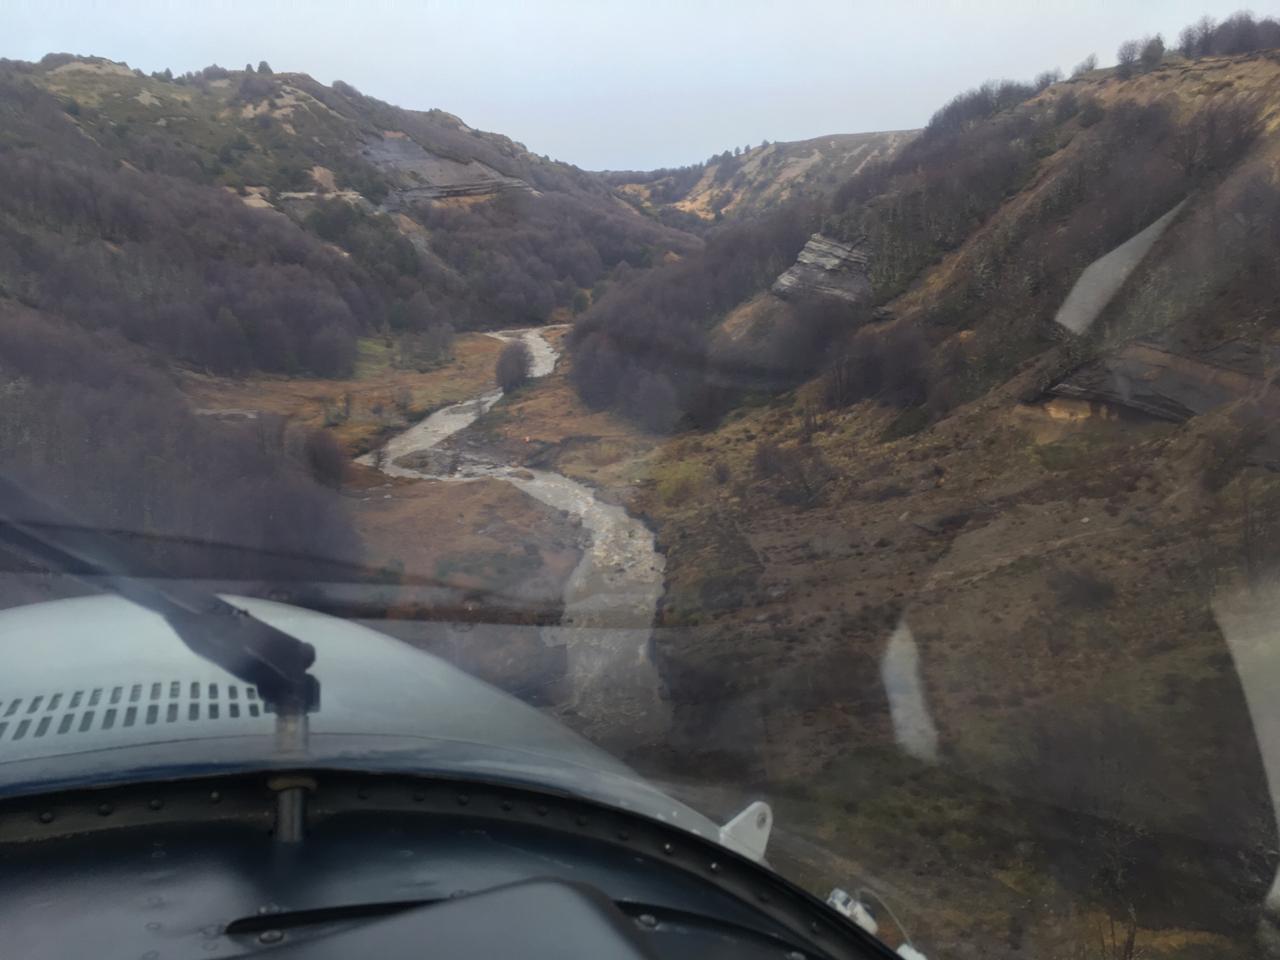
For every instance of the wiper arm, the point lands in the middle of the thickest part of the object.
(214, 630)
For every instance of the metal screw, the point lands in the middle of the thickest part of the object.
(46, 817)
(647, 920)
(104, 809)
(270, 936)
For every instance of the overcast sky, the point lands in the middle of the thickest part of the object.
(619, 84)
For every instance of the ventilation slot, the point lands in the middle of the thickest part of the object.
(127, 706)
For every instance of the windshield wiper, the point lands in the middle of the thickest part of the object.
(213, 629)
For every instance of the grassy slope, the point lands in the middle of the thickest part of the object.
(1056, 567)
(766, 176)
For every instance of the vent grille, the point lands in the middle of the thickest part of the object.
(128, 705)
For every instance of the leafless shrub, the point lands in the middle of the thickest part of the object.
(512, 369)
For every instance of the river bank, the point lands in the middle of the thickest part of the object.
(612, 690)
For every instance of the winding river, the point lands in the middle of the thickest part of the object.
(611, 596)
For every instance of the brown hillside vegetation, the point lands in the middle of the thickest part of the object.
(1055, 560)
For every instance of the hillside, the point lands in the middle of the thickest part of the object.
(920, 441)
(392, 219)
(958, 446)
(757, 179)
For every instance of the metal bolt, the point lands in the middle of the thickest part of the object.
(271, 936)
(46, 817)
(647, 920)
(104, 809)
(155, 804)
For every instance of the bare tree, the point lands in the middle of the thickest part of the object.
(1127, 56)
(514, 364)
(1152, 52)
(1087, 65)
(1188, 42)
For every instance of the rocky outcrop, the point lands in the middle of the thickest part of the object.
(826, 268)
(1160, 383)
(418, 174)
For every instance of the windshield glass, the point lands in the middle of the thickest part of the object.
(912, 470)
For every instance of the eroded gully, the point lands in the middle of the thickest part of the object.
(612, 595)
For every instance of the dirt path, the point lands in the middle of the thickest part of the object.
(612, 595)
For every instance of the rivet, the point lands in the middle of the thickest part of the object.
(463, 799)
(647, 920)
(155, 804)
(104, 809)
(715, 867)
(46, 817)
(215, 796)
(668, 849)
(270, 936)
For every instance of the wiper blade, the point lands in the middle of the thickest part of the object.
(247, 648)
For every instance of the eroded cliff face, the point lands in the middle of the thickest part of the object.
(826, 268)
(418, 174)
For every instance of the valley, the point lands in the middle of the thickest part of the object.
(911, 480)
